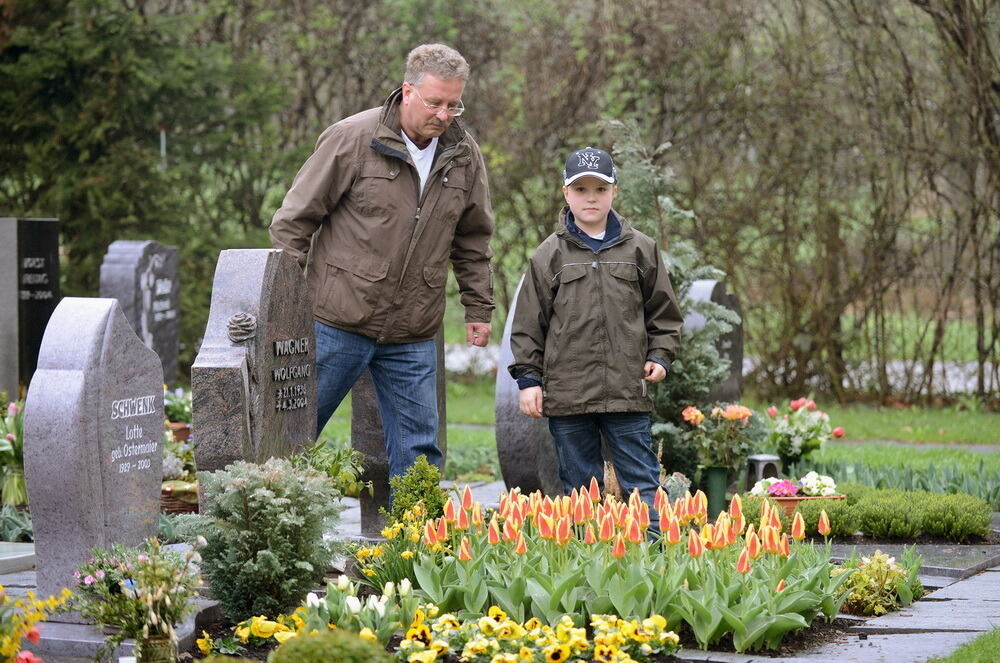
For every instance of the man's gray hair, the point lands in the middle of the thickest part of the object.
(437, 60)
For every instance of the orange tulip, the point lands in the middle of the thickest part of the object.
(665, 518)
(588, 536)
(660, 499)
(695, 545)
(477, 516)
(449, 511)
(442, 529)
(743, 563)
(564, 530)
(736, 506)
(579, 511)
(641, 514)
(673, 531)
(775, 520)
(781, 586)
(463, 519)
(520, 547)
(634, 499)
(467, 497)
(719, 538)
(753, 546)
(493, 532)
(633, 532)
(798, 527)
(750, 530)
(784, 550)
(824, 523)
(607, 528)
(546, 528)
(618, 550)
(595, 490)
(510, 531)
(464, 551)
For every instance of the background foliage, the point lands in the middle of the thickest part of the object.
(842, 160)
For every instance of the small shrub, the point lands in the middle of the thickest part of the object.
(878, 584)
(956, 517)
(265, 525)
(855, 491)
(891, 514)
(339, 645)
(420, 483)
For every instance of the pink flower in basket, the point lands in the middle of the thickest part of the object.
(784, 488)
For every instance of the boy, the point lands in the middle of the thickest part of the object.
(596, 321)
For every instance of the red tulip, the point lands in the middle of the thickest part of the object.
(449, 511)
(594, 490)
(673, 530)
(838, 431)
(467, 497)
(772, 412)
(463, 519)
(781, 586)
(695, 546)
(743, 563)
(797, 403)
(753, 546)
(618, 550)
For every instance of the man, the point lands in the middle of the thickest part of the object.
(387, 197)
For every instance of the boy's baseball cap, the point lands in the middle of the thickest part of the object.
(589, 162)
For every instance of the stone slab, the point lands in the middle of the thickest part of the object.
(938, 616)
(16, 557)
(982, 587)
(957, 561)
(888, 648)
(93, 435)
(144, 276)
(254, 382)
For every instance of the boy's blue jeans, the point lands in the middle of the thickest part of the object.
(578, 447)
(405, 379)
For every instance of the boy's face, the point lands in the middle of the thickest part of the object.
(590, 199)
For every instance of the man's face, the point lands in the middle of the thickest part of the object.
(420, 123)
(590, 200)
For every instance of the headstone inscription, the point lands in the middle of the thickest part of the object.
(93, 429)
(524, 445)
(253, 382)
(368, 437)
(29, 292)
(144, 277)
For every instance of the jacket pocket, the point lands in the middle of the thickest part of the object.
(373, 192)
(353, 287)
(429, 300)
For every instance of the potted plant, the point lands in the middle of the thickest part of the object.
(800, 430)
(722, 444)
(140, 594)
(14, 490)
(177, 410)
(813, 486)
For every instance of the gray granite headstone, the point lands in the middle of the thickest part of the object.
(253, 383)
(368, 437)
(730, 345)
(29, 292)
(524, 445)
(144, 276)
(93, 432)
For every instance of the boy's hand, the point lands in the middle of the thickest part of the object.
(531, 402)
(652, 372)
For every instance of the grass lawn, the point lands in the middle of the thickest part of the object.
(984, 649)
(892, 455)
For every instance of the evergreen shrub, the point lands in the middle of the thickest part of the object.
(420, 483)
(265, 527)
(338, 645)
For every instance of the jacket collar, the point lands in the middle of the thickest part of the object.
(388, 140)
(566, 222)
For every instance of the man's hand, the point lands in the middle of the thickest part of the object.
(531, 402)
(477, 333)
(653, 372)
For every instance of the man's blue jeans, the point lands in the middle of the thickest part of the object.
(405, 379)
(578, 447)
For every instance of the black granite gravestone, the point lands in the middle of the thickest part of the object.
(144, 277)
(29, 293)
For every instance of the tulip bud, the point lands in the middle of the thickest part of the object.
(405, 586)
(823, 526)
(838, 431)
(353, 604)
(798, 527)
(743, 563)
(772, 412)
(343, 583)
(312, 601)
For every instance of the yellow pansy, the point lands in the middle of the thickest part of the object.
(204, 643)
(367, 634)
(264, 628)
(556, 653)
(284, 636)
(428, 656)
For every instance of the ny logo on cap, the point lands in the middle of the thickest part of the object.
(589, 160)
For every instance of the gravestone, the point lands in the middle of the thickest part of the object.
(29, 292)
(730, 345)
(144, 277)
(368, 437)
(253, 383)
(524, 445)
(93, 431)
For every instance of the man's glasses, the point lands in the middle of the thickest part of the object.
(451, 110)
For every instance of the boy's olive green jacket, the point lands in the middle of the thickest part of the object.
(586, 322)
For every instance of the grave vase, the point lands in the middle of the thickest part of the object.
(716, 480)
(155, 649)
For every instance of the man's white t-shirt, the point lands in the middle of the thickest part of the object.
(422, 158)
